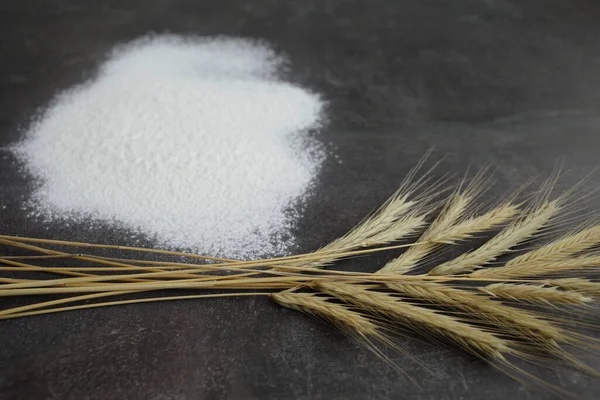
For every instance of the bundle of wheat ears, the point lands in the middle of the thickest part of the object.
(506, 300)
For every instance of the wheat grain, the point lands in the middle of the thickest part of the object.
(467, 317)
(516, 233)
(473, 339)
(535, 294)
(401, 216)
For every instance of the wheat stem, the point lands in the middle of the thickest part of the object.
(289, 262)
(106, 246)
(133, 301)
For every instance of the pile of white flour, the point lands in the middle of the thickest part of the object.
(194, 142)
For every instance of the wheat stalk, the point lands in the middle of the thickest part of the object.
(516, 233)
(535, 294)
(288, 263)
(112, 247)
(19, 312)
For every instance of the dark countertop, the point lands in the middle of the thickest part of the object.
(493, 82)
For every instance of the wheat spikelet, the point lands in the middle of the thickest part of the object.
(538, 268)
(509, 320)
(562, 248)
(517, 232)
(535, 294)
(473, 339)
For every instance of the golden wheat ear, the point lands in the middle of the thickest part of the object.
(556, 267)
(531, 293)
(580, 285)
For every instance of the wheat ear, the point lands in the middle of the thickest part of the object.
(535, 294)
(471, 226)
(562, 248)
(318, 306)
(538, 268)
(516, 233)
(580, 285)
(472, 339)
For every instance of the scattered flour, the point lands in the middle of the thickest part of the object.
(195, 142)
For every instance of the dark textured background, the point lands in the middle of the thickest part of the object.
(508, 83)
